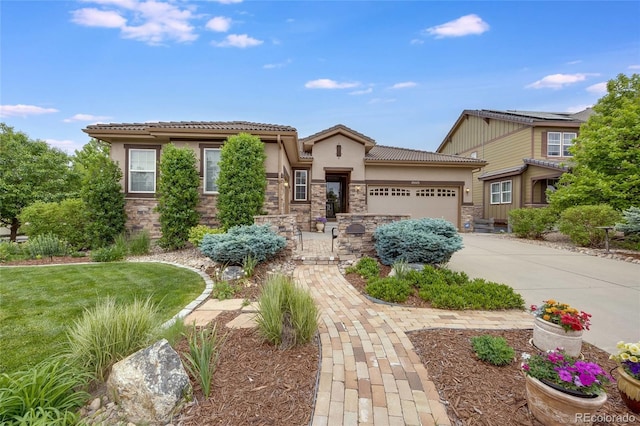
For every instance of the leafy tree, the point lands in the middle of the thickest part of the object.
(30, 171)
(177, 195)
(242, 180)
(607, 152)
(101, 192)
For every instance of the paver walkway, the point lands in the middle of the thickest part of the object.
(370, 373)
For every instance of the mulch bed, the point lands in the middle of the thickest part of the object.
(478, 393)
(255, 383)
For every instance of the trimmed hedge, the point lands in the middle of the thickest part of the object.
(430, 241)
(257, 241)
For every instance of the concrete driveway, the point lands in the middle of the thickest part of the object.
(608, 289)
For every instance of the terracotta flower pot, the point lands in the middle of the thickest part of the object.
(552, 407)
(629, 390)
(548, 336)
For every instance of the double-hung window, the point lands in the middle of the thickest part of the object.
(501, 192)
(142, 171)
(211, 169)
(300, 185)
(558, 143)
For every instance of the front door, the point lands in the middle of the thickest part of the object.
(336, 194)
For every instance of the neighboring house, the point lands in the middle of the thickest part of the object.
(526, 153)
(337, 170)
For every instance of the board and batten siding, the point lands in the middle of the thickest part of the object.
(501, 211)
(535, 173)
(474, 131)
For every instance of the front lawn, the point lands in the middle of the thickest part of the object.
(38, 303)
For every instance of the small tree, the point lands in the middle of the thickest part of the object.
(30, 171)
(607, 152)
(101, 192)
(242, 180)
(177, 196)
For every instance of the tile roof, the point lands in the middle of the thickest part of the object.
(338, 127)
(510, 171)
(204, 125)
(390, 153)
(560, 165)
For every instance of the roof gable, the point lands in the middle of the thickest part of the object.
(339, 129)
(526, 118)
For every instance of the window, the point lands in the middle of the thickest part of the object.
(300, 185)
(142, 170)
(501, 192)
(211, 169)
(558, 143)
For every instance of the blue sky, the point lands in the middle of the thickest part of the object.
(400, 72)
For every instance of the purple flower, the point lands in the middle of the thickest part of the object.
(565, 375)
(587, 379)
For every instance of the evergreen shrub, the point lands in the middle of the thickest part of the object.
(199, 231)
(239, 242)
(430, 241)
(631, 222)
(389, 289)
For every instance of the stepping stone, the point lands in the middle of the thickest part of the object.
(243, 321)
(201, 317)
(252, 307)
(222, 305)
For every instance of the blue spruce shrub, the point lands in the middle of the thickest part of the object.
(239, 242)
(430, 241)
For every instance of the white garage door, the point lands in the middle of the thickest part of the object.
(418, 202)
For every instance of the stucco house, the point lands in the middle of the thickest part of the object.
(337, 170)
(526, 152)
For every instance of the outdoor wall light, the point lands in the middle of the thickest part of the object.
(358, 188)
(286, 184)
(467, 190)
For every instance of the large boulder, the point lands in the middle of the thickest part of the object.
(150, 384)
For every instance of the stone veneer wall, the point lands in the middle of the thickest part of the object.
(302, 213)
(467, 216)
(271, 201)
(282, 224)
(361, 245)
(141, 215)
(318, 202)
(357, 198)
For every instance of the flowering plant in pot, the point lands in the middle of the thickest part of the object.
(562, 389)
(321, 219)
(558, 325)
(320, 222)
(563, 315)
(628, 359)
(566, 372)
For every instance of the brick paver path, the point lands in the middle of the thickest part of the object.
(370, 373)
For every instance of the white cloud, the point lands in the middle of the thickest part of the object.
(362, 92)
(86, 117)
(381, 101)
(465, 25)
(220, 24)
(228, 1)
(598, 88)
(90, 17)
(574, 62)
(557, 81)
(578, 108)
(156, 22)
(416, 41)
(634, 67)
(325, 83)
(21, 110)
(65, 145)
(404, 85)
(277, 65)
(238, 40)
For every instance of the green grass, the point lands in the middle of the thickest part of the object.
(39, 303)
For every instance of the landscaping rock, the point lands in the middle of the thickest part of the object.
(232, 273)
(150, 384)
